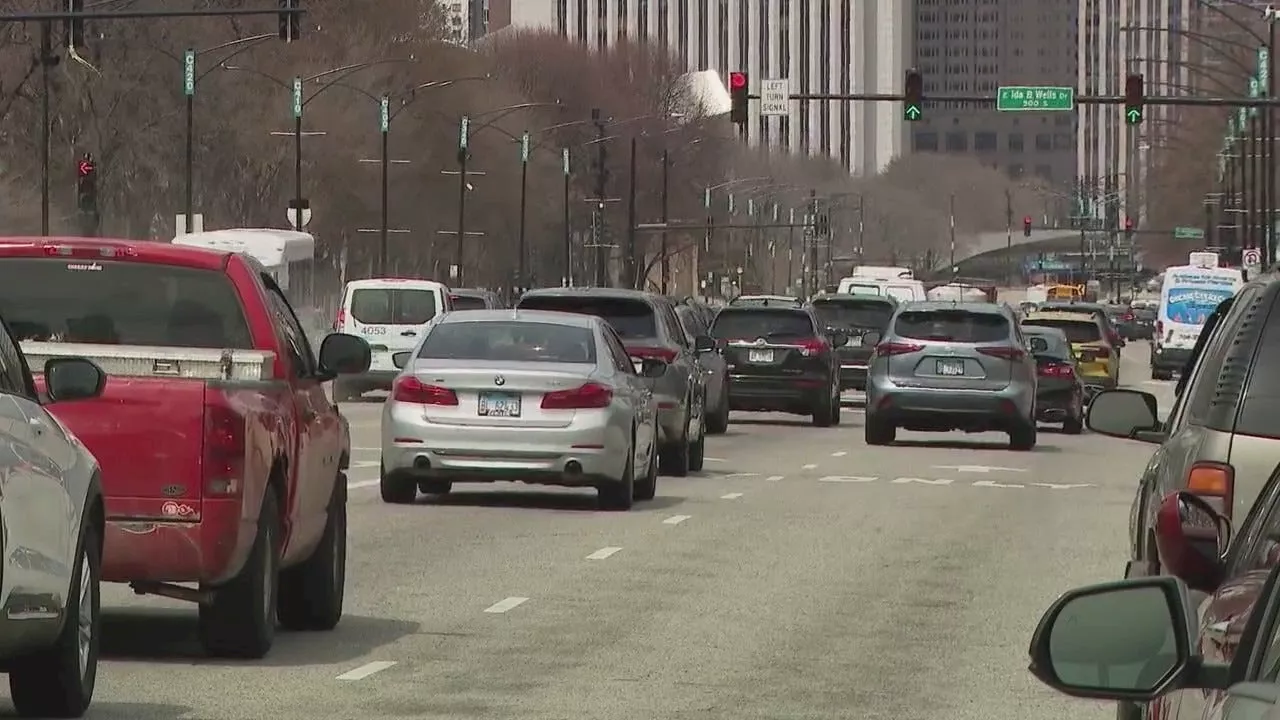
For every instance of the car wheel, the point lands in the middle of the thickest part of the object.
(240, 622)
(435, 487)
(647, 487)
(698, 449)
(58, 682)
(823, 415)
(311, 593)
(1023, 436)
(395, 489)
(619, 495)
(835, 409)
(877, 432)
(718, 422)
(1074, 424)
(673, 459)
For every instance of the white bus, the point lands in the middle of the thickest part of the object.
(276, 250)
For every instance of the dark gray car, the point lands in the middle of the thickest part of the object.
(649, 328)
(715, 370)
(854, 316)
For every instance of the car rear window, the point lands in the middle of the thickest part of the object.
(1048, 346)
(854, 313)
(124, 303)
(1077, 331)
(509, 341)
(751, 323)
(958, 326)
(393, 306)
(467, 302)
(629, 318)
(1144, 313)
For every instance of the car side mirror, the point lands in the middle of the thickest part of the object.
(1123, 414)
(1192, 538)
(704, 343)
(839, 340)
(73, 378)
(652, 367)
(343, 354)
(871, 338)
(400, 359)
(1130, 640)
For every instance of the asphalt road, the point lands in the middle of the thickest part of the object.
(803, 575)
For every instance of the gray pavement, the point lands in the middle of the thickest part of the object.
(802, 575)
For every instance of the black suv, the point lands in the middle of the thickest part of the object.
(781, 360)
(854, 316)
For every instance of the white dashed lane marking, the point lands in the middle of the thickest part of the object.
(731, 496)
(949, 482)
(366, 670)
(506, 605)
(603, 553)
(840, 453)
(676, 519)
(810, 466)
(773, 478)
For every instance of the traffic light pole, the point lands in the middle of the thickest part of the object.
(1174, 100)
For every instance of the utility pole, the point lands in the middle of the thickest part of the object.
(456, 275)
(955, 269)
(629, 260)
(812, 232)
(665, 260)
(597, 217)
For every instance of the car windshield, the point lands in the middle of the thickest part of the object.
(393, 306)
(629, 318)
(1077, 331)
(125, 303)
(958, 326)
(854, 313)
(752, 323)
(467, 302)
(509, 341)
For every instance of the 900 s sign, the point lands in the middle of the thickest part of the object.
(373, 330)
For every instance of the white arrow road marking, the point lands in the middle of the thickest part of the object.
(847, 479)
(977, 468)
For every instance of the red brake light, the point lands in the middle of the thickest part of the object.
(1003, 352)
(585, 397)
(897, 348)
(666, 355)
(1127, 316)
(99, 253)
(813, 347)
(1056, 370)
(412, 390)
(340, 320)
(224, 446)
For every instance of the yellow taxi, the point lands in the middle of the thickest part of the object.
(1099, 360)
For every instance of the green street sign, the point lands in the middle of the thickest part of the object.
(1255, 89)
(189, 73)
(1020, 98)
(297, 97)
(384, 114)
(524, 148)
(911, 112)
(1188, 233)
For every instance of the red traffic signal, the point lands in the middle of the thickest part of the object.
(85, 167)
(737, 80)
(738, 96)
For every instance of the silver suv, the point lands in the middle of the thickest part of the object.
(945, 366)
(649, 328)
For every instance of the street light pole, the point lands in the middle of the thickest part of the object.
(568, 230)
(524, 195)
(384, 124)
(666, 179)
(629, 261)
(462, 196)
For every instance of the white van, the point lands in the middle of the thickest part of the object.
(1190, 293)
(900, 289)
(389, 313)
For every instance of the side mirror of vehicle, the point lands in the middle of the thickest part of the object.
(1123, 414)
(73, 378)
(400, 359)
(704, 343)
(652, 367)
(1130, 640)
(343, 354)
(839, 340)
(1192, 538)
(871, 338)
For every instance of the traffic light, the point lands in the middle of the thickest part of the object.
(87, 184)
(290, 22)
(1134, 98)
(738, 98)
(1128, 228)
(75, 26)
(1026, 226)
(913, 96)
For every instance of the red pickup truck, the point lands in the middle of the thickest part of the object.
(222, 457)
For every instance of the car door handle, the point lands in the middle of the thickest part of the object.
(408, 333)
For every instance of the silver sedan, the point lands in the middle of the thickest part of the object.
(521, 395)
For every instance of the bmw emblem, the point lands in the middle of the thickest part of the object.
(499, 380)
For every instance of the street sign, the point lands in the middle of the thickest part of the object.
(189, 73)
(297, 97)
(1188, 233)
(1255, 89)
(1023, 98)
(775, 98)
(292, 212)
(1252, 258)
(384, 114)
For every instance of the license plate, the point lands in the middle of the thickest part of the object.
(499, 404)
(760, 356)
(951, 367)
(855, 341)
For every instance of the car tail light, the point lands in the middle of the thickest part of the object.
(1214, 482)
(585, 397)
(224, 446)
(813, 347)
(666, 355)
(1056, 370)
(340, 319)
(410, 389)
(888, 349)
(100, 253)
(1003, 352)
(1127, 317)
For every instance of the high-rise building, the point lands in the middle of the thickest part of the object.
(821, 46)
(972, 47)
(467, 20)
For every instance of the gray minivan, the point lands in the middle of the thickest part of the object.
(1222, 436)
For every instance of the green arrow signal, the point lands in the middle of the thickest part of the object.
(1133, 115)
(912, 112)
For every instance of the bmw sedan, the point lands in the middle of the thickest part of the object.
(528, 396)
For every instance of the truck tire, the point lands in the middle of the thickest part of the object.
(240, 622)
(311, 593)
(56, 682)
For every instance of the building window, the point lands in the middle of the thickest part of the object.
(985, 142)
(1063, 141)
(926, 142)
(1044, 142)
(1015, 142)
(957, 142)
